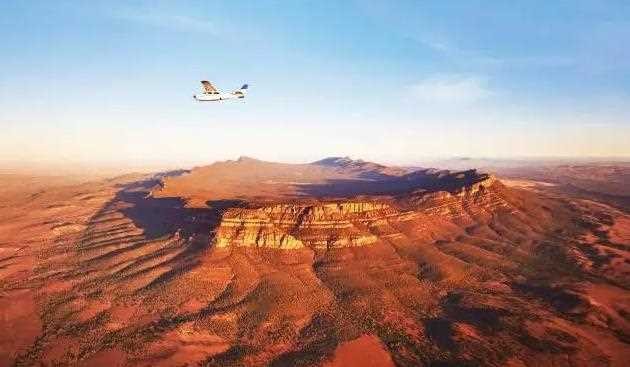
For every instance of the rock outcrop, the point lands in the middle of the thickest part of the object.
(350, 223)
(483, 197)
(295, 225)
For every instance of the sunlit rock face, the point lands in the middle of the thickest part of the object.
(293, 226)
(481, 198)
(350, 223)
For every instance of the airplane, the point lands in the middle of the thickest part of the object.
(210, 93)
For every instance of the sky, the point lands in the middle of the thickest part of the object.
(389, 81)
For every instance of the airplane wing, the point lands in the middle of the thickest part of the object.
(208, 88)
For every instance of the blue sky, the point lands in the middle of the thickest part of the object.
(392, 81)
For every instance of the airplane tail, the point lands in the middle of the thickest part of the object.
(241, 91)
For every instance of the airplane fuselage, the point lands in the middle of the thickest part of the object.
(211, 97)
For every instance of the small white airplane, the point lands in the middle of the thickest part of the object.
(210, 93)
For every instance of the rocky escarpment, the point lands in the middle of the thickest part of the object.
(483, 197)
(295, 225)
(349, 223)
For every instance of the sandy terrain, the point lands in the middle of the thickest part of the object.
(124, 272)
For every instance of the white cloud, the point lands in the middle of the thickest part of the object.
(482, 59)
(451, 89)
(182, 23)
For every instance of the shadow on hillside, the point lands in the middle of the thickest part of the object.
(392, 185)
(440, 331)
(158, 217)
(344, 188)
(192, 228)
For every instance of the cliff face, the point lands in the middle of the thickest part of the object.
(349, 223)
(292, 226)
(483, 197)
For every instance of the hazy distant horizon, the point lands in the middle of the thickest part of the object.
(108, 169)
